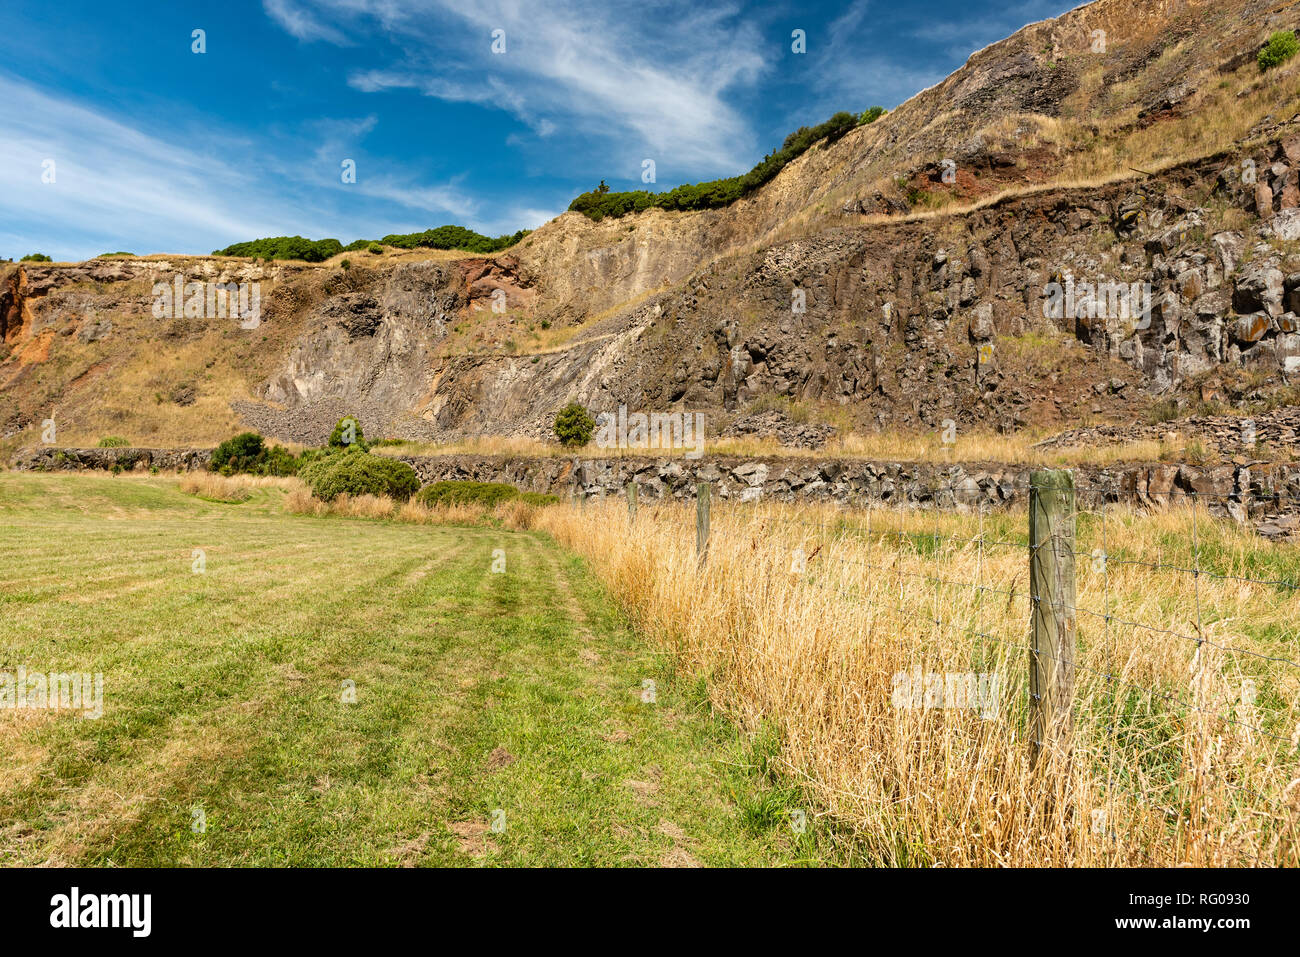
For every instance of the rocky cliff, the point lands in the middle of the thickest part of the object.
(1092, 216)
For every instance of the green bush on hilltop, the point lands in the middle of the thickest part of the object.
(285, 247)
(453, 237)
(318, 250)
(600, 202)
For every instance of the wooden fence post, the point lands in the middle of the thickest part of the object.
(702, 496)
(631, 503)
(1052, 606)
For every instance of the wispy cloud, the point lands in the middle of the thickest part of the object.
(117, 186)
(299, 22)
(646, 79)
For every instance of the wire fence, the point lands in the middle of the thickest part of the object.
(1186, 641)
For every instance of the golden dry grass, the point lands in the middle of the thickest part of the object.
(1174, 760)
(513, 514)
(882, 446)
(232, 488)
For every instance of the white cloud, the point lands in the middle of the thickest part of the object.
(301, 24)
(646, 79)
(188, 189)
(442, 200)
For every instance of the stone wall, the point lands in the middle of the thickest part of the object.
(54, 459)
(1259, 491)
(1264, 493)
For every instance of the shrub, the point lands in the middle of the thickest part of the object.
(375, 249)
(871, 115)
(347, 431)
(358, 473)
(113, 442)
(245, 445)
(1166, 410)
(35, 258)
(309, 456)
(538, 498)
(466, 493)
(247, 453)
(454, 237)
(318, 250)
(574, 425)
(284, 247)
(1281, 46)
(487, 494)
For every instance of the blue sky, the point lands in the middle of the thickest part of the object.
(156, 148)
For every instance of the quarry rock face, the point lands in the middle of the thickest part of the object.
(917, 272)
(885, 321)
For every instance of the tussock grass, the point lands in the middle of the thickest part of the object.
(513, 514)
(234, 488)
(1172, 761)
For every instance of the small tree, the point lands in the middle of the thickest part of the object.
(347, 432)
(574, 426)
(871, 115)
(1281, 47)
(602, 188)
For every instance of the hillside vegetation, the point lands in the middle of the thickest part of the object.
(600, 202)
(319, 250)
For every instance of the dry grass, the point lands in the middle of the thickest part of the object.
(881, 446)
(1168, 765)
(1103, 143)
(512, 514)
(232, 488)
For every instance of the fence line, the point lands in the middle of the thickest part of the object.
(848, 526)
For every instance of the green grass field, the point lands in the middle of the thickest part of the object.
(482, 698)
